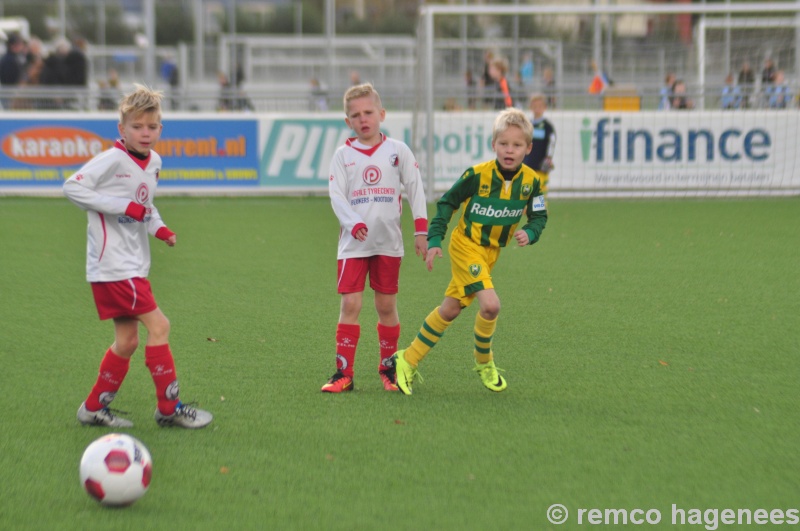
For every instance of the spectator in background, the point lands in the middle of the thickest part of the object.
(472, 97)
(12, 65)
(543, 145)
(109, 92)
(54, 73)
(600, 80)
(778, 93)
(747, 82)
(549, 89)
(486, 82)
(169, 73)
(355, 78)
(498, 70)
(731, 97)
(318, 98)
(768, 73)
(680, 100)
(526, 71)
(665, 93)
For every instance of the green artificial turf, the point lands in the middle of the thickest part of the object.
(651, 349)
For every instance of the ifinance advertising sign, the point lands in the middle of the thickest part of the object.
(678, 150)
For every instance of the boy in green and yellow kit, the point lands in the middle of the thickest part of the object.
(495, 195)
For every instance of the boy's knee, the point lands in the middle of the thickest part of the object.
(126, 346)
(491, 311)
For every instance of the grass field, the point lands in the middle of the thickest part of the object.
(651, 350)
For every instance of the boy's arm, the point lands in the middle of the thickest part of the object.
(415, 192)
(156, 227)
(349, 220)
(537, 215)
(80, 189)
(464, 188)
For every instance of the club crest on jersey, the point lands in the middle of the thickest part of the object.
(142, 193)
(372, 175)
(394, 161)
(474, 270)
(526, 190)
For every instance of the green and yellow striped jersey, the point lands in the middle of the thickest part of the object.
(492, 206)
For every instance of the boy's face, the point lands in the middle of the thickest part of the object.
(141, 132)
(365, 117)
(511, 146)
(538, 106)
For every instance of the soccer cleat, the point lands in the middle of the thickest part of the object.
(102, 417)
(404, 372)
(338, 383)
(389, 379)
(185, 416)
(489, 376)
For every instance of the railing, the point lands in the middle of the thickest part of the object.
(208, 98)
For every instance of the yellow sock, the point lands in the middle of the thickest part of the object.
(429, 334)
(484, 330)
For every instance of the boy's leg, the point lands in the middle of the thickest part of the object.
(485, 326)
(170, 411)
(159, 361)
(432, 330)
(115, 364)
(388, 327)
(113, 369)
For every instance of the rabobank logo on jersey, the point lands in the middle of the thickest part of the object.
(610, 140)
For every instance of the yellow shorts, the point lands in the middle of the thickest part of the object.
(471, 265)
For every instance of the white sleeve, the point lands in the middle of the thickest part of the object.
(337, 189)
(154, 221)
(80, 189)
(412, 182)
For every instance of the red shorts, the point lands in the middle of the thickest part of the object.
(123, 298)
(384, 274)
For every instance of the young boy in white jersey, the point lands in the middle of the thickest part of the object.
(495, 196)
(364, 186)
(116, 188)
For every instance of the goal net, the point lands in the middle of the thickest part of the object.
(646, 99)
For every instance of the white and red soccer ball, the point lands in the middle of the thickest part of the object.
(116, 469)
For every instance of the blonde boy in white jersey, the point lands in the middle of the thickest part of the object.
(116, 188)
(365, 178)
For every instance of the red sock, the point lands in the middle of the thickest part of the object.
(346, 342)
(159, 360)
(112, 372)
(387, 337)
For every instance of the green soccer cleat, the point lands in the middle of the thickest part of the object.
(488, 373)
(404, 372)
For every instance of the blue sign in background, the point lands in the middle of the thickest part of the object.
(195, 152)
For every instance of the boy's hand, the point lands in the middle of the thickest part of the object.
(421, 245)
(360, 232)
(433, 252)
(167, 236)
(522, 238)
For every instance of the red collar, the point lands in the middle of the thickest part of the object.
(142, 163)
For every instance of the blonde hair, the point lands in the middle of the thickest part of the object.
(500, 64)
(536, 96)
(142, 100)
(361, 91)
(512, 117)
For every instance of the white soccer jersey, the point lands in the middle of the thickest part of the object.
(364, 187)
(117, 246)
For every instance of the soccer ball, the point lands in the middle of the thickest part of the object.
(116, 469)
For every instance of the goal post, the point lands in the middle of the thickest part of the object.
(602, 151)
